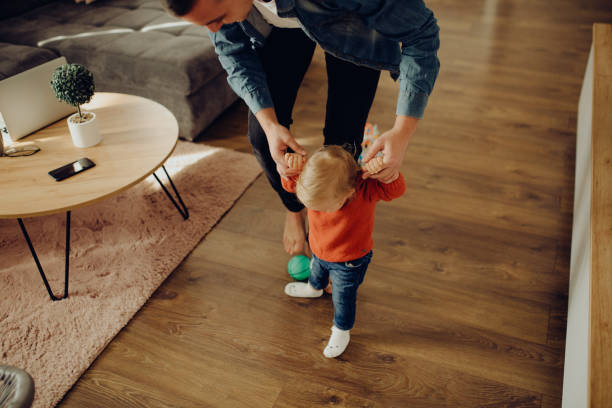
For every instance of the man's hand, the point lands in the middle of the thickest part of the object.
(393, 143)
(279, 139)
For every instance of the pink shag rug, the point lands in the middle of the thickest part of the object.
(122, 249)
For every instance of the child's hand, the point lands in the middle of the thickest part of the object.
(374, 165)
(295, 161)
(392, 178)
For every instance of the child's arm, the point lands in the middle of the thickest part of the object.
(392, 190)
(289, 183)
(294, 161)
(383, 191)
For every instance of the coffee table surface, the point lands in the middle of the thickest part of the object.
(138, 135)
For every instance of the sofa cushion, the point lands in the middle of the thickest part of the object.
(109, 36)
(29, 57)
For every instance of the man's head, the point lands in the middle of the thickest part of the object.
(210, 13)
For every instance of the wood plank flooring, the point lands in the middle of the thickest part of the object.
(464, 303)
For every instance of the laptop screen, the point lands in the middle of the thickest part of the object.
(27, 102)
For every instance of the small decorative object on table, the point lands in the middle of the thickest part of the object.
(74, 84)
(15, 151)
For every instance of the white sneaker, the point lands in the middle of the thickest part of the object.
(302, 289)
(338, 341)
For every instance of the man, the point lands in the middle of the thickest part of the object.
(266, 47)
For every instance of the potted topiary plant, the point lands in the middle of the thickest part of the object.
(74, 84)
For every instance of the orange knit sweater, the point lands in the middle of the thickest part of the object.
(346, 234)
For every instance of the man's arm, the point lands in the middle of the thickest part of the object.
(289, 183)
(245, 74)
(413, 25)
(247, 78)
(279, 139)
(419, 68)
(392, 190)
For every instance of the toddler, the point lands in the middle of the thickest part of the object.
(341, 208)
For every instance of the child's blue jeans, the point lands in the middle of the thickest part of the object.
(346, 278)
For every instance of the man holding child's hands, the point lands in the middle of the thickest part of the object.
(266, 46)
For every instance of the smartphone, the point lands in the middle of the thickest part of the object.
(71, 169)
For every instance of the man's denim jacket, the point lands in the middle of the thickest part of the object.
(396, 35)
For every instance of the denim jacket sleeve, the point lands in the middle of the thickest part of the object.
(245, 73)
(413, 25)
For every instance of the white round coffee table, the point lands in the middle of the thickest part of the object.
(138, 135)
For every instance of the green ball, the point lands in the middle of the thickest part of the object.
(299, 267)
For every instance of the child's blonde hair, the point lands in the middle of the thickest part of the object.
(330, 173)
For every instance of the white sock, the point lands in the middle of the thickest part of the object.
(301, 289)
(338, 341)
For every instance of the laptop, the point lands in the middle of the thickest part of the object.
(27, 102)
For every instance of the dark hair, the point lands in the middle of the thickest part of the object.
(349, 147)
(178, 7)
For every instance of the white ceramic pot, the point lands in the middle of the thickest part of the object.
(84, 134)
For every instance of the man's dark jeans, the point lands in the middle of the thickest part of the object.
(285, 57)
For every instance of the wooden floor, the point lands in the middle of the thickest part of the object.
(464, 303)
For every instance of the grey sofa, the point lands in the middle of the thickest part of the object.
(130, 46)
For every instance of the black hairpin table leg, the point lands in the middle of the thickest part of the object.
(182, 209)
(40, 269)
